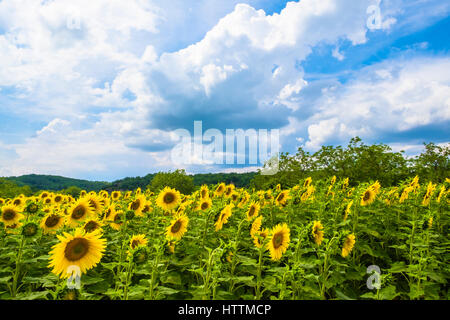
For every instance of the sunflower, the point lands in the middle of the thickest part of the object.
(223, 216)
(48, 200)
(94, 202)
(205, 204)
(117, 220)
(138, 241)
(441, 193)
(256, 225)
(204, 192)
(253, 210)
(52, 222)
(368, 196)
(333, 180)
(245, 198)
(43, 195)
(347, 209)
(282, 197)
(349, 242)
(11, 215)
(137, 205)
(58, 199)
(168, 199)
(18, 202)
(81, 249)
(109, 213)
(13, 228)
(229, 190)
(219, 190)
(317, 232)
(177, 228)
(115, 195)
(79, 212)
(260, 236)
(2, 201)
(279, 241)
(307, 182)
(92, 225)
(345, 183)
(30, 229)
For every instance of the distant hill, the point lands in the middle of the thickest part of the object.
(54, 183)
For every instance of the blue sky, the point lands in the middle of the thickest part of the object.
(95, 90)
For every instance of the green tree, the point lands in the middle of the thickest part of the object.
(74, 191)
(434, 163)
(9, 189)
(177, 179)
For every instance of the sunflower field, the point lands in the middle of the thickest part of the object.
(316, 240)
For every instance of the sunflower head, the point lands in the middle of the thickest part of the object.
(10, 215)
(52, 222)
(30, 229)
(278, 241)
(219, 190)
(92, 225)
(349, 242)
(177, 227)
(205, 204)
(138, 241)
(253, 210)
(368, 196)
(78, 249)
(79, 212)
(317, 232)
(32, 207)
(168, 199)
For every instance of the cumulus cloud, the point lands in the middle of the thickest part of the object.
(389, 97)
(110, 87)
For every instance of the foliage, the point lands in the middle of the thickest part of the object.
(360, 163)
(9, 189)
(177, 179)
(402, 231)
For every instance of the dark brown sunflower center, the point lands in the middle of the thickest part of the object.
(205, 205)
(203, 193)
(134, 244)
(169, 198)
(277, 240)
(136, 204)
(17, 202)
(91, 226)
(366, 196)
(281, 197)
(9, 214)
(52, 221)
(78, 212)
(76, 249)
(176, 227)
(251, 212)
(58, 199)
(118, 219)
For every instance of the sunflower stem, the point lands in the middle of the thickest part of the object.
(258, 279)
(16, 272)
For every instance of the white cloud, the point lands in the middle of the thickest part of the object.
(393, 96)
